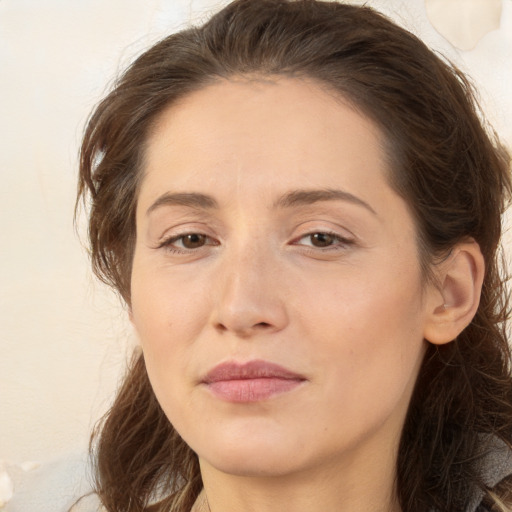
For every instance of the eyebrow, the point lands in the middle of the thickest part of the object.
(192, 200)
(307, 197)
(288, 200)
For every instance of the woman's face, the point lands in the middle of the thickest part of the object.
(276, 286)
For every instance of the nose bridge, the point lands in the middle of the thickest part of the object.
(248, 297)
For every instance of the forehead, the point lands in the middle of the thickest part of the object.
(286, 106)
(264, 136)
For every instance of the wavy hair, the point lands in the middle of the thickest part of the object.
(445, 162)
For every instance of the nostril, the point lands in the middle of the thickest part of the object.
(243, 330)
(221, 327)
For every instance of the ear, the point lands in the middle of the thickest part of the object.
(452, 304)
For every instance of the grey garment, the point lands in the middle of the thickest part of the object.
(496, 465)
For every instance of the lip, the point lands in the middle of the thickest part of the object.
(253, 381)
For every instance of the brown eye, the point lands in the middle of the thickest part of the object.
(193, 240)
(187, 243)
(322, 239)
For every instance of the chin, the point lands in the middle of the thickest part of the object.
(253, 463)
(251, 454)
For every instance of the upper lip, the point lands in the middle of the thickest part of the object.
(256, 369)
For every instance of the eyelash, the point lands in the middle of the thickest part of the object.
(340, 242)
(167, 243)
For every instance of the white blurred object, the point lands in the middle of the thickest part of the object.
(54, 486)
(464, 22)
(29, 465)
(6, 485)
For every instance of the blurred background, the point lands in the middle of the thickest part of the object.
(65, 339)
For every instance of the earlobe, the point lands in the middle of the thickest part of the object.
(453, 303)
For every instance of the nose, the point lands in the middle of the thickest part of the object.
(249, 298)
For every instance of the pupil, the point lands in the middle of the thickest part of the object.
(193, 241)
(322, 239)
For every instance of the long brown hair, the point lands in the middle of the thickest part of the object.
(445, 163)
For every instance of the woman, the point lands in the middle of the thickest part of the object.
(301, 209)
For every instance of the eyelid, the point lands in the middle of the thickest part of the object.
(342, 241)
(319, 225)
(170, 239)
(165, 232)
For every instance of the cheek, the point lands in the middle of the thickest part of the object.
(362, 298)
(164, 329)
(368, 329)
(167, 316)
(168, 308)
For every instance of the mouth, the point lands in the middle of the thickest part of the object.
(254, 381)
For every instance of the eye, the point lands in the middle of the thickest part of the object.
(193, 240)
(187, 242)
(323, 240)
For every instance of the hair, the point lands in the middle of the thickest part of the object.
(445, 162)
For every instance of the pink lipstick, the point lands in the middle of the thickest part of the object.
(254, 381)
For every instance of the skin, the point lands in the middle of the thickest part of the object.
(349, 316)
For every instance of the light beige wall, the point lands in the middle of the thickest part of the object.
(63, 338)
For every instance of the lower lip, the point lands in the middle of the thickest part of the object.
(252, 390)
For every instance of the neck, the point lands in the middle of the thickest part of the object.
(342, 488)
